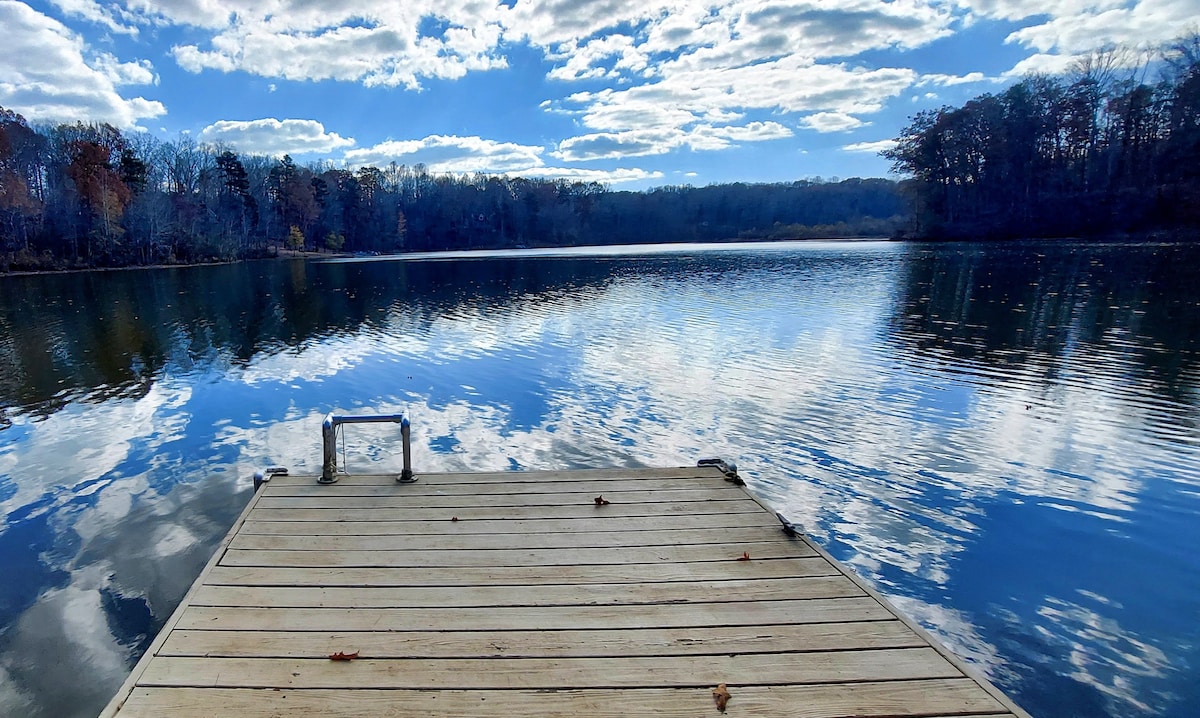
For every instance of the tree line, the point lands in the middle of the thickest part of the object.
(85, 195)
(1100, 150)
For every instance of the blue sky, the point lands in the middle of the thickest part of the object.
(635, 93)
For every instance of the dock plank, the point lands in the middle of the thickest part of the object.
(523, 575)
(546, 618)
(585, 509)
(400, 500)
(605, 594)
(606, 523)
(551, 674)
(453, 540)
(464, 486)
(513, 593)
(891, 699)
(774, 638)
(535, 556)
(515, 478)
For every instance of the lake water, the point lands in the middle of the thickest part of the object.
(1002, 438)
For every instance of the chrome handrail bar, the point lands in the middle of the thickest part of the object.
(329, 429)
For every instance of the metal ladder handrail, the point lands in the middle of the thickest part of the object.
(329, 429)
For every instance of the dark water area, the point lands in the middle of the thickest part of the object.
(1003, 438)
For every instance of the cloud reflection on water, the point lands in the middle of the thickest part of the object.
(917, 456)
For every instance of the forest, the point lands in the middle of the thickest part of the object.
(1098, 151)
(89, 195)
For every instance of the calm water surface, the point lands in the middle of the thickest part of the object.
(1002, 438)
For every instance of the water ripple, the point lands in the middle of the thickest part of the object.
(1003, 438)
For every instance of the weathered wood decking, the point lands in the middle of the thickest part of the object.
(515, 594)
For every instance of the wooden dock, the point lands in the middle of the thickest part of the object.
(523, 594)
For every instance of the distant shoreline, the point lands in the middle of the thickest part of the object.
(592, 250)
(584, 250)
(291, 255)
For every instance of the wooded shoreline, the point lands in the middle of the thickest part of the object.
(1097, 151)
(1186, 235)
(90, 195)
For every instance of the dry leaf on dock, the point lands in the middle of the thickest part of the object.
(721, 697)
(339, 656)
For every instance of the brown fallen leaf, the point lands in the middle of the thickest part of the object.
(744, 557)
(601, 501)
(721, 697)
(339, 656)
(454, 518)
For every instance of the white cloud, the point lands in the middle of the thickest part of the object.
(373, 42)
(1023, 9)
(190, 58)
(790, 84)
(724, 78)
(673, 69)
(677, 62)
(659, 117)
(212, 14)
(125, 73)
(112, 18)
(274, 137)
(750, 132)
(636, 143)
(722, 34)
(872, 147)
(687, 27)
(1042, 63)
(607, 145)
(467, 155)
(551, 23)
(44, 74)
(575, 174)
(951, 80)
(831, 122)
(843, 29)
(586, 62)
(451, 154)
(633, 114)
(1068, 35)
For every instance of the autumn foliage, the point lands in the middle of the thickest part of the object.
(1098, 151)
